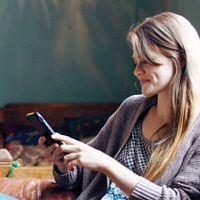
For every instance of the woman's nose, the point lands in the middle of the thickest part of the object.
(139, 70)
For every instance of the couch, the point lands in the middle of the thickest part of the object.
(80, 121)
(28, 188)
(34, 180)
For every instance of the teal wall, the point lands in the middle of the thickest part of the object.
(69, 51)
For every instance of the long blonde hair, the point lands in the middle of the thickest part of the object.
(173, 36)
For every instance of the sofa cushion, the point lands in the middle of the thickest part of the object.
(85, 129)
(22, 142)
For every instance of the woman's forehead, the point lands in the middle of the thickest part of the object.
(151, 52)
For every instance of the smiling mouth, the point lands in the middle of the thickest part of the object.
(142, 82)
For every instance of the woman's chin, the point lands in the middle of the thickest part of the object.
(148, 94)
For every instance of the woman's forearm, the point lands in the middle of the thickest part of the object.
(125, 179)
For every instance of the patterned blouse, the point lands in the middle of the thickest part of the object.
(134, 156)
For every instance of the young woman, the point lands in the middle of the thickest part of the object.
(150, 147)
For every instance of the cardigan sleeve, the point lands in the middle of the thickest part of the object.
(69, 180)
(186, 185)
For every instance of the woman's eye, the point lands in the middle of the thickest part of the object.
(134, 64)
(144, 62)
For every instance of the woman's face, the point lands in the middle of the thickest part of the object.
(154, 79)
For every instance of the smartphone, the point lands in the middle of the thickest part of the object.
(40, 124)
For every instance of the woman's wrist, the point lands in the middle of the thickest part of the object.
(122, 176)
(60, 169)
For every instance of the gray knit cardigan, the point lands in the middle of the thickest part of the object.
(180, 181)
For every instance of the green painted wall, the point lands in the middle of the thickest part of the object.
(70, 51)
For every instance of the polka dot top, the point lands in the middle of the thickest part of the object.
(134, 156)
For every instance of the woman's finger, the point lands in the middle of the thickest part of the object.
(64, 138)
(41, 142)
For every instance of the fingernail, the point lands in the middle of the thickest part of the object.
(72, 169)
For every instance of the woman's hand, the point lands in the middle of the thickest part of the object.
(79, 154)
(83, 155)
(52, 155)
(74, 153)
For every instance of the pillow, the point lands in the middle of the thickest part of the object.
(7, 128)
(85, 129)
(22, 142)
(23, 137)
(30, 155)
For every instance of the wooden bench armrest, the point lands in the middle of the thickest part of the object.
(40, 172)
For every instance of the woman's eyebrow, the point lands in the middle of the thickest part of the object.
(135, 58)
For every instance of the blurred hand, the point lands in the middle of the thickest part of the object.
(78, 153)
(52, 155)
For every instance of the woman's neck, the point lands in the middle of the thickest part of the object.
(163, 107)
(157, 117)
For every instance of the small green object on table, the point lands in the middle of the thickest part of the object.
(15, 164)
